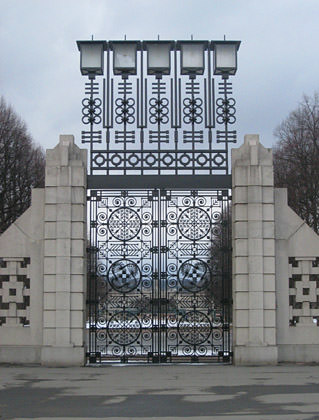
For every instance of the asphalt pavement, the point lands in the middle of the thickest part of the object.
(163, 392)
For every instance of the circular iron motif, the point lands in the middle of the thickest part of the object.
(194, 223)
(194, 328)
(194, 275)
(124, 224)
(124, 276)
(124, 328)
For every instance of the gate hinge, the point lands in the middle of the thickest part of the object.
(90, 302)
(93, 356)
(92, 249)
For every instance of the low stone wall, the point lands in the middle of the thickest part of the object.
(297, 285)
(21, 285)
(43, 268)
(275, 267)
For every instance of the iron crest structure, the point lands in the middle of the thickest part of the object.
(159, 129)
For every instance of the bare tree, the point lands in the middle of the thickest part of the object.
(21, 166)
(296, 159)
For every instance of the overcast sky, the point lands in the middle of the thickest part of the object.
(39, 71)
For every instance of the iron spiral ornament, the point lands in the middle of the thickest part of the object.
(91, 111)
(194, 223)
(194, 327)
(125, 110)
(193, 110)
(124, 223)
(124, 275)
(124, 328)
(194, 275)
(226, 110)
(158, 109)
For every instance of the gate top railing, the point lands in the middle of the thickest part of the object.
(157, 112)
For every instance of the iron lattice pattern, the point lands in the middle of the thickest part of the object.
(159, 281)
(169, 126)
(303, 291)
(14, 292)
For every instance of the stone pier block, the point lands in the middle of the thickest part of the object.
(65, 255)
(253, 210)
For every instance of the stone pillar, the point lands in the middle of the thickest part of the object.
(64, 255)
(254, 294)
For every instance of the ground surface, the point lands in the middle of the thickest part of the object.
(160, 392)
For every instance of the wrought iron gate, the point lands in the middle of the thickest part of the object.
(159, 129)
(159, 276)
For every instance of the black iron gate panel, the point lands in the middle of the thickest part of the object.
(159, 284)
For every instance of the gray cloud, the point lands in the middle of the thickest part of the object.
(39, 72)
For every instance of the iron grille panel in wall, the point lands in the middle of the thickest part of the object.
(159, 276)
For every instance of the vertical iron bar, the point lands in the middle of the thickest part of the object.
(176, 106)
(226, 123)
(142, 133)
(193, 125)
(158, 126)
(229, 271)
(91, 128)
(125, 124)
(90, 271)
(106, 111)
(209, 81)
(210, 104)
(108, 108)
(165, 268)
(92, 281)
(159, 279)
(93, 296)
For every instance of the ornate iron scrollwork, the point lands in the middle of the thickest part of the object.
(159, 286)
(159, 262)
(165, 125)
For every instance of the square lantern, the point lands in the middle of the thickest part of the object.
(158, 56)
(91, 57)
(124, 56)
(225, 57)
(192, 56)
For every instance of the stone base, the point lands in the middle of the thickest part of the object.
(298, 353)
(255, 355)
(20, 354)
(62, 356)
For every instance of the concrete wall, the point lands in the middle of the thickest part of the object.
(21, 285)
(43, 267)
(297, 285)
(275, 267)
